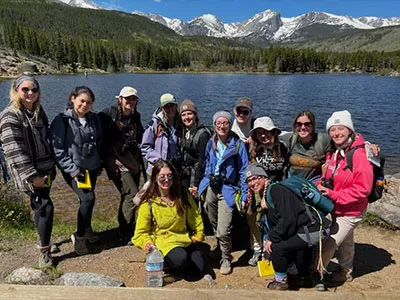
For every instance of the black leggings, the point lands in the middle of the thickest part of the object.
(44, 213)
(86, 201)
(189, 258)
(291, 250)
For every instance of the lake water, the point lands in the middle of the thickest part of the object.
(372, 100)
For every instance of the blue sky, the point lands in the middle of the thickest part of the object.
(239, 10)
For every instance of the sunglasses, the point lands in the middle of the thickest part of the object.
(242, 112)
(166, 176)
(25, 90)
(130, 98)
(299, 124)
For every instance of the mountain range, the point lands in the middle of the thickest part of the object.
(265, 27)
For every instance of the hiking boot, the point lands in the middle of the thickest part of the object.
(255, 258)
(92, 237)
(278, 285)
(79, 243)
(321, 286)
(45, 259)
(226, 267)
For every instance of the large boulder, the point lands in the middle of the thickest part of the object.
(28, 276)
(28, 67)
(388, 207)
(89, 279)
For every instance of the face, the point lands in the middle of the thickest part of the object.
(304, 127)
(339, 134)
(169, 111)
(128, 104)
(222, 126)
(188, 118)
(165, 179)
(242, 114)
(265, 137)
(28, 93)
(82, 104)
(256, 183)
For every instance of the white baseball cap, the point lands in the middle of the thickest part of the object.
(127, 91)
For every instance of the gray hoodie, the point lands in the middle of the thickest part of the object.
(76, 147)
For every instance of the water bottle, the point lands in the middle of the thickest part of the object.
(154, 268)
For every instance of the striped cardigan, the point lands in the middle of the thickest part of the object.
(26, 146)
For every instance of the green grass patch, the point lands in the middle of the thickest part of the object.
(373, 220)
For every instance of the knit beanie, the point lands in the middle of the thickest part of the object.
(340, 118)
(255, 169)
(187, 105)
(224, 114)
(166, 99)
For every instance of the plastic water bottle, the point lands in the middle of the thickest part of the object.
(154, 268)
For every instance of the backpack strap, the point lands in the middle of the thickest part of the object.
(349, 156)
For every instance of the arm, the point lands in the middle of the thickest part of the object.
(148, 143)
(58, 136)
(194, 221)
(361, 185)
(142, 236)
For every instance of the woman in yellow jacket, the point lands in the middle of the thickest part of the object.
(169, 219)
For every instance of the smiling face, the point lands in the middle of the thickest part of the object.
(188, 118)
(82, 104)
(304, 128)
(242, 114)
(264, 137)
(164, 180)
(339, 134)
(222, 127)
(256, 183)
(128, 104)
(28, 93)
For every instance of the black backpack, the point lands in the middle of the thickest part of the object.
(379, 183)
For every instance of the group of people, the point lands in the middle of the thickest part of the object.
(192, 172)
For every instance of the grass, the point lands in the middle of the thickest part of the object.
(373, 220)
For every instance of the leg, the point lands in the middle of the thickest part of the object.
(196, 260)
(129, 190)
(177, 258)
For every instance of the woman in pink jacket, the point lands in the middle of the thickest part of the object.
(348, 189)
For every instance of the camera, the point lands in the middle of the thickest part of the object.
(327, 182)
(216, 182)
(88, 149)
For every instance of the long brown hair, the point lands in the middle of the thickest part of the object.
(177, 193)
(307, 113)
(255, 146)
(15, 100)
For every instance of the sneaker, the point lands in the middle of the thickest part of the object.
(92, 237)
(45, 259)
(79, 243)
(278, 286)
(320, 286)
(255, 258)
(226, 267)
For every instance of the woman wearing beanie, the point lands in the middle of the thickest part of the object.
(268, 151)
(25, 139)
(121, 155)
(348, 189)
(162, 137)
(194, 140)
(224, 177)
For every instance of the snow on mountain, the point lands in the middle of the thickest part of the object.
(82, 3)
(205, 25)
(380, 22)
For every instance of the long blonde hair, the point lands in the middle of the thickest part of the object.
(15, 100)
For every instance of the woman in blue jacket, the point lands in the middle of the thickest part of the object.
(226, 161)
(76, 137)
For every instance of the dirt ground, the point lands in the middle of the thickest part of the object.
(375, 267)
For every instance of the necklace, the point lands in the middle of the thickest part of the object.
(167, 200)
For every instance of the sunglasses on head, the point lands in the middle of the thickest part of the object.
(299, 124)
(25, 90)
(242, 112)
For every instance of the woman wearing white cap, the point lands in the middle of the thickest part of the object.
(269, 152)
(122, 136)
(348, 189)
(226, 161)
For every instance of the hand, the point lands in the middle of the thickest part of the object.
(375, 149)
(39, 182)
(264, 204)
(79, 175)
(244, 204)
(268, 246)
(148, 247)
(249, 140)
(324, 190)
(193, 191)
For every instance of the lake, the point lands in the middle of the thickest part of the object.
(372, 100)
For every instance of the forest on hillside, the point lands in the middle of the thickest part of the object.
(114, 41)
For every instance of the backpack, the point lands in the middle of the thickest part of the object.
(199, 132)
(379, 183)
(316, 205)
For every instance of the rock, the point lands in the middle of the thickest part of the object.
(28, 276)
(388, 207)
(89, 279)
(28, 67)
(210, 280)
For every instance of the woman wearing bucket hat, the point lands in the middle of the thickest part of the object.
(194, 140)
(226, 161)
(268, 151)
(122, 158)
(162, 137)
(348, 189)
